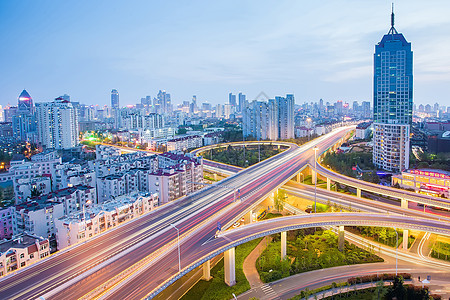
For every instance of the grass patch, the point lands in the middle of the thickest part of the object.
(441, 250)
(307, 251)
(216, 289)
(272, 215)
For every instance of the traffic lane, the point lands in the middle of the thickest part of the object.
(80, 257)
(137, 255)
(190, 245)
(196, 248)
(292, 174)
(190, 225)
(98, 242)
(92, 250)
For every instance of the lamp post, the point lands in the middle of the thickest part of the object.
(315, 178)
(396, 252)
(178, 242)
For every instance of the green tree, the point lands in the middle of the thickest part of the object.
(35, 192)
(279, 199)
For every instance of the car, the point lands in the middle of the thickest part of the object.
(236, 224)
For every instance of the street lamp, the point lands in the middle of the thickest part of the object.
(396, 252)
(315, 178)
(178, 242)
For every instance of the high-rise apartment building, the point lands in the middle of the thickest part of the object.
(269, 120)
(232, 100)
(392, 101)
(24, 121)
(57, 124)
(114, 98)
(260, 120)
(162, 103)
(285, 107)
(242, 102)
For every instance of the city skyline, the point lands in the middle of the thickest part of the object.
(287, 48)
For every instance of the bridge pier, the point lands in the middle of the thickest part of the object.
(405, 239)
(248, 218)
(215, 177)
(298, 178)
(207, 270)
(404, 203)
(358, 192)
(313, 176)
(341, 238)
(328, 184)
(283, 245)
(229, 266)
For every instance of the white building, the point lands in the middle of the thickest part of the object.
(57, 124)
(72, 174)
(285, 116)
(147, 135)
(363, 130)
(260, 120)
(270, 120)
(96, 219)
(185, 142)
(38, 216)
(24, 186)
(22, 251)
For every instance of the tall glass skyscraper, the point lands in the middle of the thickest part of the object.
(114, 98)
(392, 101)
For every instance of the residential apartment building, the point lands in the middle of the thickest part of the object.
(22, 251)
(269, 120)
(8, 223)
(57, 124)
(95, 219)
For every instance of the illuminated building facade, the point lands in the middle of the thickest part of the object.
(393, 101)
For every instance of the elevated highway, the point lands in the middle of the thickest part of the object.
(75, 272)
(361, 185)
(198, 253)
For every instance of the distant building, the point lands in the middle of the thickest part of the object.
(270, 120)
(285, 116)
(232, 100)
(57, 124)
(242, 102)
(24, 120)
(114, 98)
(393, 101)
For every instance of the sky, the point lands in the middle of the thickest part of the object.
(314, 49)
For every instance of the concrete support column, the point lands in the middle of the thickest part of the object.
(215, 177)
(404, 203)
(298, 178)
(358, 192)
(328, 184)
(229, 266)
(207, 270)
(283, 245)
(341, 238)
(248, 218)
(405, 239)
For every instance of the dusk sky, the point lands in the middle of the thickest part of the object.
(314, 49)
